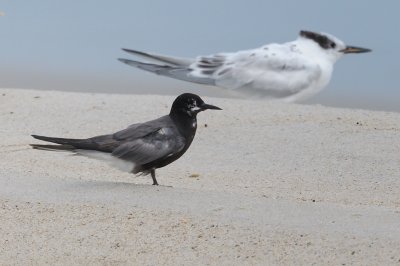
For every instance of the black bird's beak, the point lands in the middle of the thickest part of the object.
(209, 106)
(354, 50)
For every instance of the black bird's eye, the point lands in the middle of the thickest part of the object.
(191, 103)
(333, 45)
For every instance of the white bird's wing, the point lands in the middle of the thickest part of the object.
(272, 71)
(170, 60)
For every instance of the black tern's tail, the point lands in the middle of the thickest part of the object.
(55, 147)
(57, 140)
(176, 72)
(66, 144)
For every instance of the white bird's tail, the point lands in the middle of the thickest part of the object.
(177, 68)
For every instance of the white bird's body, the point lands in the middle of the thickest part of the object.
(290, 72)
(274, 71)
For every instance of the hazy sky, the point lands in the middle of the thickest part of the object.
(73, 45)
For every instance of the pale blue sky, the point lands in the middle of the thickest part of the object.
(73, 45)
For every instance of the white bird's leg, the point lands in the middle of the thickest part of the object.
(153, 176)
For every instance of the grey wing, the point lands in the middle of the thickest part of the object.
(173, 67)
(201, 70)
(210, 67)
(108, 143)
(175, 61)
(160, 144)
(142, 129)
(176, 72)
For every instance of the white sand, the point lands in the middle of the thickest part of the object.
(277, 184)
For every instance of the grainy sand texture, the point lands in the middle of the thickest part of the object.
(262, 184)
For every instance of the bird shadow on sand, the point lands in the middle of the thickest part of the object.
(114, 185)
(105, 192)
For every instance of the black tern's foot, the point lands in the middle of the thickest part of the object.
(153, 176)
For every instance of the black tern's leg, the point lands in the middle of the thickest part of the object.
(153, 176)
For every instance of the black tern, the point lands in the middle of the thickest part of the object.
(288, 72)
(143, 147)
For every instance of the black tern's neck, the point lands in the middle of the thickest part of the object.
(186, 124)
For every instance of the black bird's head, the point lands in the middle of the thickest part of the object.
(331, 45)
(189, 104)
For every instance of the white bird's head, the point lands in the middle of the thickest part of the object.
(330, 45)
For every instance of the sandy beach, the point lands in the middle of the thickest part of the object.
(262, 184)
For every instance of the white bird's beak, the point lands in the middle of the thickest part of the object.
(354, 50)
